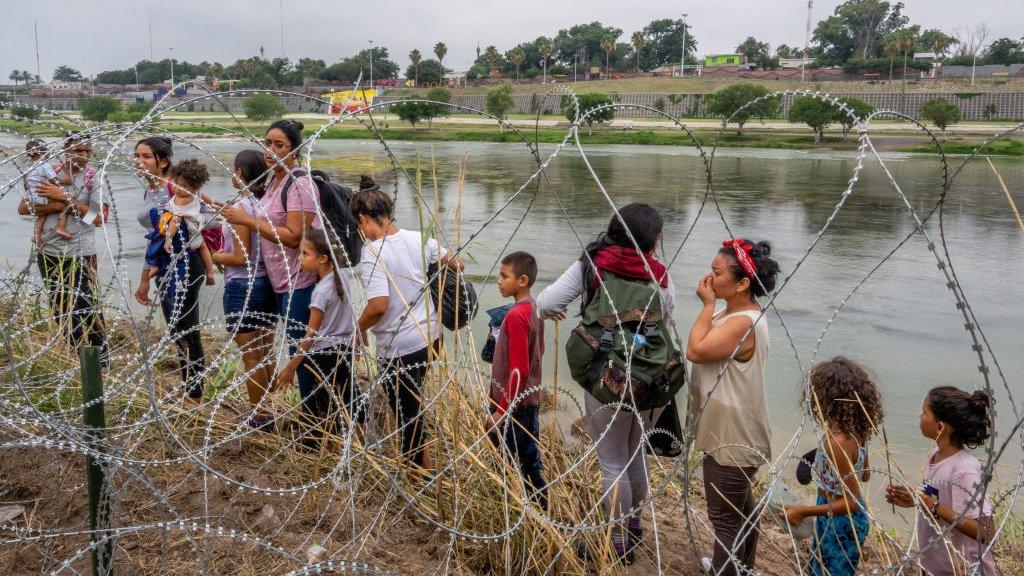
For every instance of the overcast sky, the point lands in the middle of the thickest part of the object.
(96, 35)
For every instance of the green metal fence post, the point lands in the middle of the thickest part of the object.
(95, 423)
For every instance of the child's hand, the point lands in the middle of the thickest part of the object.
(284, 378)
(210, 280)
(142, 294)
(794, 514)
(168, 246)
(899, 496)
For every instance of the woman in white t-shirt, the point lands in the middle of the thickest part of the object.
(399, 311)
(728, 348)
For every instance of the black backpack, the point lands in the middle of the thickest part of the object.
(338, 221)
(453, 295)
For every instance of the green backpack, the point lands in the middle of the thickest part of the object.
(635, 327)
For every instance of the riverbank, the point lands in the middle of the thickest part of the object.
(262, 506)
(887, 136)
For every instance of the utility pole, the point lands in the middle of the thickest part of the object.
(682, 58)
(807, 41)
(282, 28)
(39, 71)
(150, 25)
(172, 65)
(371, 63)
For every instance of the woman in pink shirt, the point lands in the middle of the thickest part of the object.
(289, 206)
(954, 522)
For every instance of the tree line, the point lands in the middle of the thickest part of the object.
(860, 35)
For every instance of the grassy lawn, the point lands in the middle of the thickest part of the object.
(797, 138)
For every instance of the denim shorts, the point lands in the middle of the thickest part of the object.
(249, 308)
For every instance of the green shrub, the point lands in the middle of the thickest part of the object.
(940, 112)
(732, 104)
(26, 112)
(97, 108)
(499, 101)
(262, 107)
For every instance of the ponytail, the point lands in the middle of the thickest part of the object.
(318, 240)
(967, 414)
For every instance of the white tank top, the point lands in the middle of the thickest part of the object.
(733, 427)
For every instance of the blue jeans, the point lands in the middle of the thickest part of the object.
(248, 309)
(293, 308)
(520, 435)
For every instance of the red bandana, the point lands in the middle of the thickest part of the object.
(742, 249)
(624, 261)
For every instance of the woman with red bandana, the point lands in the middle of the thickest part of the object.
(627, 251)
(728, 348)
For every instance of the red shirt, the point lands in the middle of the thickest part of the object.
(517, 357)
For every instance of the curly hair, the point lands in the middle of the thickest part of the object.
(192, 173)
(967, 413)
(843, 394)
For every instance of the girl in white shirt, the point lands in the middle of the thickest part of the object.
(327, 347)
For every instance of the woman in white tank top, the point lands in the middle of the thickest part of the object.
(728, 348)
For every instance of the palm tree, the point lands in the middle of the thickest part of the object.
(440, 50)
(249, 65)
(26, 77)
(544, 48)
(15, 77)
(608, 46)
(517, 58)
(638, 41)
(891, 49)
(415, 58)
(492, 56)
(216, 70)
(907, 44)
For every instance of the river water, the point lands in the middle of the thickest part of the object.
(902, 323)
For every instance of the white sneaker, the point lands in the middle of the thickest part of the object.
(706, 564)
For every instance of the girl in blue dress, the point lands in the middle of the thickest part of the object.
(843, 399)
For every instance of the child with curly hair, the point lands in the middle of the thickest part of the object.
(184, 207)
(843, 399)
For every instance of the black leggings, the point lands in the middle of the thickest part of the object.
(402, 379)
(333, 370)
(71, 282)
(184, 319)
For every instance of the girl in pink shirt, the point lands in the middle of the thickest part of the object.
(954, 522)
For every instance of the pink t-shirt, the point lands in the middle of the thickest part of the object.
(281, 261)
(956, 478)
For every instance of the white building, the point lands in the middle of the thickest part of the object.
(66, 85)
(795, 63)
